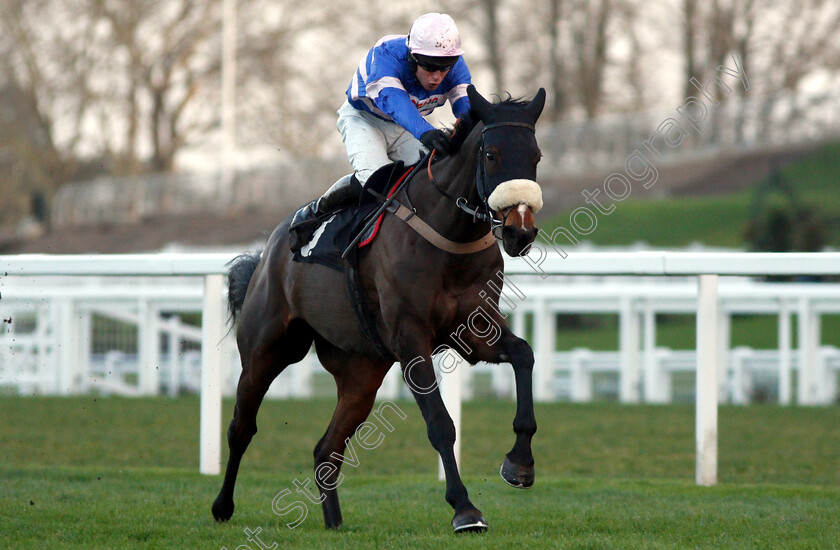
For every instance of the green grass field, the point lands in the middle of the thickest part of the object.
(93, 472)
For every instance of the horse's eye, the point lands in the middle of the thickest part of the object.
(491, 157)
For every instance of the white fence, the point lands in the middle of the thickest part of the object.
(643, 371)
(131, 340)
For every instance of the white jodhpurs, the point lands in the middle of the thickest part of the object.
(372, 142)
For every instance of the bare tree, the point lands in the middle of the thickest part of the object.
(166, 52)
(33, 151)
(589, 35)
(807, 41)
(492, 34)
(557, 66)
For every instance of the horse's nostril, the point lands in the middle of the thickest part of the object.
(517, 241)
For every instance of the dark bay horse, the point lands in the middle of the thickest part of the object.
(421, 297)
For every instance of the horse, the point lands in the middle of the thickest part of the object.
(420, 284)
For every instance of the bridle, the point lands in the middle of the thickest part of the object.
(480, 212)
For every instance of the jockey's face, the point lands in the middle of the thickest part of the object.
(430, 79)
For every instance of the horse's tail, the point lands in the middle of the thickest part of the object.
(239, 275)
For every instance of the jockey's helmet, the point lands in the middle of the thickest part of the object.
(435, 35)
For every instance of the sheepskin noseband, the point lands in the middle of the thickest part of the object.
(513, 192)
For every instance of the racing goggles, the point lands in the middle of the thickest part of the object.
(433, 64)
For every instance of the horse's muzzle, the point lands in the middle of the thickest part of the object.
(516, 241)
(519, 229)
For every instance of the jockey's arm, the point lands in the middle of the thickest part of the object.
(396, 103)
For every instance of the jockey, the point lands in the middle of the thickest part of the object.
(401, 79)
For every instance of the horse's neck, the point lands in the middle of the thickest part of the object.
(456, 176)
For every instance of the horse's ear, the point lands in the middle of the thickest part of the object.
(534, 109)
(477, 103)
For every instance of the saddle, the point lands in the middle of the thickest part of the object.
(339, 229)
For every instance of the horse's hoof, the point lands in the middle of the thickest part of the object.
(521, 477)
(469, 521)
(222, 511)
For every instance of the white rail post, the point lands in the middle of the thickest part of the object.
(650, 383)
(739, 375)
(544, 334)
(504, 380)
(173, 335)
(68, 347)
(809, 337)
(450, 391)
(85, 342)
(629, 331)
(707, 388)
(784, 353)
(212, 324)
(581, 378)
(724, 341)
(46, 354)
(148, 337)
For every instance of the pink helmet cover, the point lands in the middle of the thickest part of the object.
(435, 35)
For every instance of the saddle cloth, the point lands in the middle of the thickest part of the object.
(336, 232)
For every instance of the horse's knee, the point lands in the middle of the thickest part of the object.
(521, 355)
(239, 432)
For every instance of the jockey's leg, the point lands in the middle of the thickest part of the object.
(366, 139)
(344, 192)
(367, 149)
(405, 147)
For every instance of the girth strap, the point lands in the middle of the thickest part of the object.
(441, 242)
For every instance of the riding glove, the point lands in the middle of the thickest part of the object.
(438, 140)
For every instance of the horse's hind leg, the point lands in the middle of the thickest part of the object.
(357, 380)
(259, 368)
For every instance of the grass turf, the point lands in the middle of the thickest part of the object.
(92, 472)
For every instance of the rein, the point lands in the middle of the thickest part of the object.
(460, 202)
(409, 216)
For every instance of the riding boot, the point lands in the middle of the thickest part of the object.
(343, 193)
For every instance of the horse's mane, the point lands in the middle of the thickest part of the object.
(511, 101)
(466, 122)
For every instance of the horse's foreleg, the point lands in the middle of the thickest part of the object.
(420, 377)
(518, 467)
